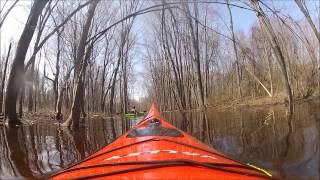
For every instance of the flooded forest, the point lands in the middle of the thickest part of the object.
(241, 76)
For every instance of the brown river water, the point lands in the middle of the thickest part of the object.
(287, 146)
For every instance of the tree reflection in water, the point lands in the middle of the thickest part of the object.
(39, 150)
(286, 145)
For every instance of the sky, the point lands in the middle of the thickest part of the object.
(243, 20)
(14, 23)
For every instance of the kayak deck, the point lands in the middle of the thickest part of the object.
(154, 149)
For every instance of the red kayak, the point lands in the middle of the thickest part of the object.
(155, 149)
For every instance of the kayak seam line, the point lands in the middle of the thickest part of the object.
(160, 165)
(152, 162)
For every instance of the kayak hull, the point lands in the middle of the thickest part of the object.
(168, 154)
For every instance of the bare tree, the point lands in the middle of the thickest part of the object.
(106, 61)
(55, 80)
(235, 50)
(194, 30)
(275, 45)
(17, 69)
(79, 70)
(4, 77)
(42, 22)
(61, 94)
(304, 10)
(188, 59)
(126, 26)
(6, 13)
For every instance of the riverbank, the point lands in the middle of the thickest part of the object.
(45, 115)
(278, 99)
(268, 101)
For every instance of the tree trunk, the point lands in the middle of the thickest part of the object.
(304, 10)
(21, 100)
(266, 51)
(275, 45)
(17, 69)
(56, 75)
(59, 103)
(74, 117)
(181, 100)
(36, 92)
(4, 78)
(103, 77)
(308, 17)
(80, 66)
(30, 86)
(125, 80)
(235, 51)
(61, 94)
(123, 38)
(30, 77)
(195, 42)
(113, 86)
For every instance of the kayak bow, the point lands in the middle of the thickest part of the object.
(155, 149)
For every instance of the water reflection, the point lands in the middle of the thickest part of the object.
(287, 145)
(39, 150)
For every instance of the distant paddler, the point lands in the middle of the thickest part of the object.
(133, 110)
